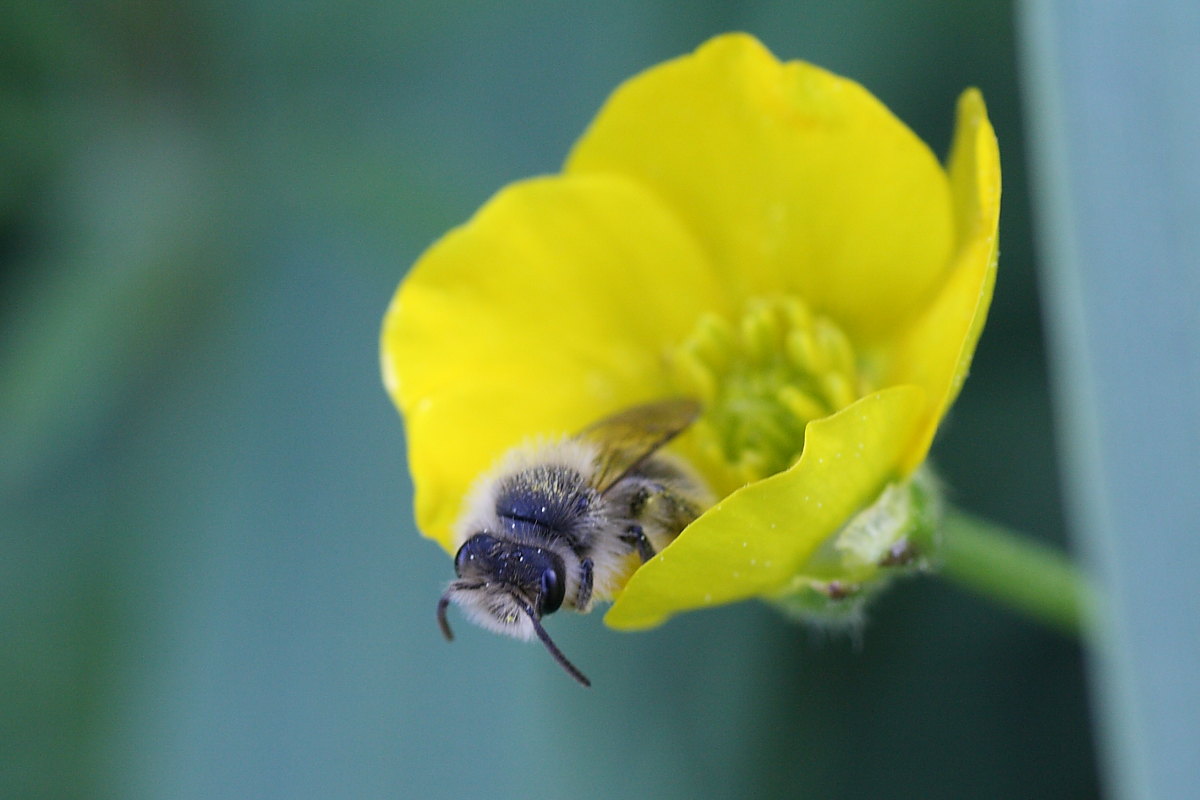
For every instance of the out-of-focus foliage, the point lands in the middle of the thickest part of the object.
(210, 584)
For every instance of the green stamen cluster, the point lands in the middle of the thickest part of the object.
(762, 378)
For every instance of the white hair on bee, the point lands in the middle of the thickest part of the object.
(491, 606)
(511, 617)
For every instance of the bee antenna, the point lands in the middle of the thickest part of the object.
(553, 648)
(441, 616)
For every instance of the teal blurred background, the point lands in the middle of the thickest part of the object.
(210, 583)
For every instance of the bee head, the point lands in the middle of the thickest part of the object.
(508, 587)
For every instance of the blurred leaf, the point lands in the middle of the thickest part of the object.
(130, 264)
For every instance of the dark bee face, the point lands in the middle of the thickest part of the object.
(508, 587)
(534, 572)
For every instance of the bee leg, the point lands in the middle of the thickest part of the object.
(636, 538)
(583, 595)
(673, 510)
(637, 504)
(677, 511)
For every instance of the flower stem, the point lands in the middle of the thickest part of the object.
(1014, 570)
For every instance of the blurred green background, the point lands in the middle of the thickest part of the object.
(210, 584)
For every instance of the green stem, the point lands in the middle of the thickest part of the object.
(1012, 569)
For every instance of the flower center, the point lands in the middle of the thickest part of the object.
(762, 378)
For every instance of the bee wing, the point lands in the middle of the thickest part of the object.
(629, 437)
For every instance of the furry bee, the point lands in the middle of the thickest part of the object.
(559, 524)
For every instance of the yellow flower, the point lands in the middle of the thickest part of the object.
(764, 236)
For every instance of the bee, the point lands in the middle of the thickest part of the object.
(562, 524)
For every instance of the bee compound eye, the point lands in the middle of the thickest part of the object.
(460, 559)
(552, 590)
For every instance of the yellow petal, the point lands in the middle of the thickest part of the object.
(935, 352)
(548, 310)
(756, 539)
(794, 179)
